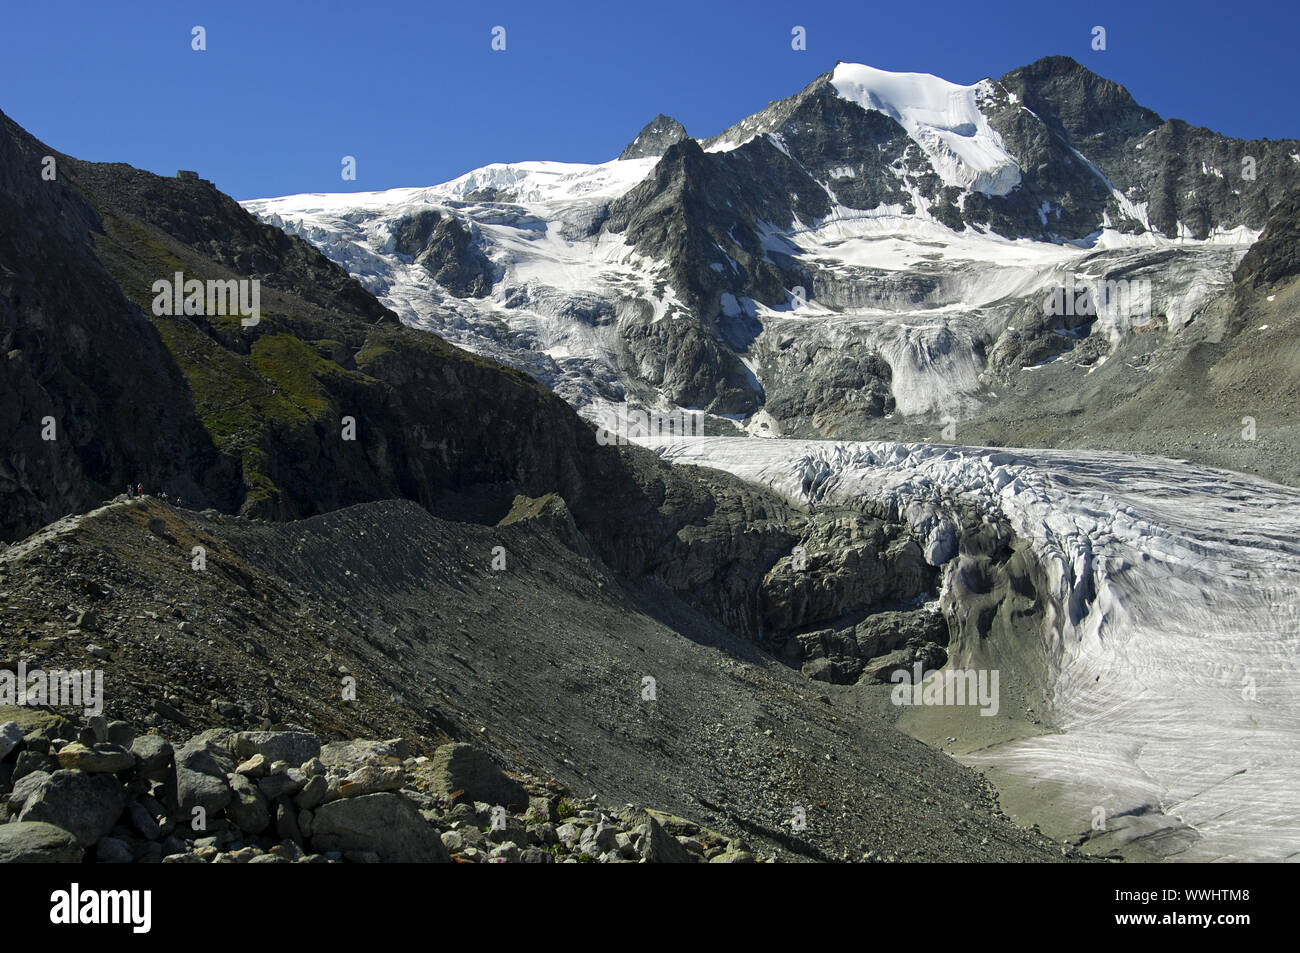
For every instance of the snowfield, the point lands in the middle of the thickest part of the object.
(942, 117)
(1176, 618)
(927, 298)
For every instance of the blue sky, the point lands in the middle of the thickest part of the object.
(414, 91)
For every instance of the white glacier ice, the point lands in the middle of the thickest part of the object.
(1177, 618)
(943, 118)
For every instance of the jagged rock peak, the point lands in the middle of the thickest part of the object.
(655, 138)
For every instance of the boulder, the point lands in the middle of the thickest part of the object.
(85, 805)
(372, 779)
(255, 767)
(10, 735)
(121, 733)
(101, 759)
(249, 808)
(282, 783)
(598, 840)
(660, 847)
(352, 754)
(201, 780)
(312, 793)
(29, 761)
(153, 755)
(386, 823)
(464, 768)
(294, 747)
(733, 857)
(36, 842)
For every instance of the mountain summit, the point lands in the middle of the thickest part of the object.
(869, 257)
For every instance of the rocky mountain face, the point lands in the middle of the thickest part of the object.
(90, 399)
(653, 140)
(383, 621)
(872, 257)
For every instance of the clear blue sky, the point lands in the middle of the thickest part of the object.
(413, 89)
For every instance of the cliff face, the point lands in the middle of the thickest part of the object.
(91, 398)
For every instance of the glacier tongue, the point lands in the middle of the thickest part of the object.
(1177, 632)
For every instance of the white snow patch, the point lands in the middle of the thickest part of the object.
(943, 118)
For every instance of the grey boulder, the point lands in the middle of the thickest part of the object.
(386, 823)
(85, 805)
(464, 768)
(36, 842)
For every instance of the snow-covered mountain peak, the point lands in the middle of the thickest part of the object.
(942, 117)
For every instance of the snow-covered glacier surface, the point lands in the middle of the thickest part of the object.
(942, 117)
(1176, 622)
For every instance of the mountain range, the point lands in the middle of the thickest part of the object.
(869, 258)
(403, 462)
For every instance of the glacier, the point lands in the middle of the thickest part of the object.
(1174, 629)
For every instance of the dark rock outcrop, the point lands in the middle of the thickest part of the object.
(654, 138)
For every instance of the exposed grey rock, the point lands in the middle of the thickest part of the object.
(281, 785)
(371, 779)
(102, 759)
(387, 823)
(462, 767)
(248, 808)
(512, 831)
(37, 842)
(255, 767)
(598, 839)
(453, 841)
(352, 754)
(121, 733)
(28, 762)
(657, 135)
(312, 793)
(661, 847)
(85, 805)
(733, 857)
(154, 755)
(292, 746)
(201, 779)
(10, 735)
